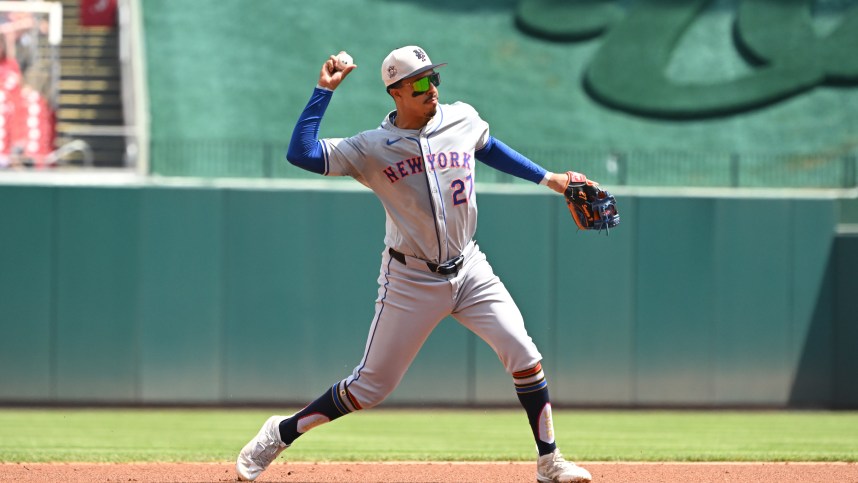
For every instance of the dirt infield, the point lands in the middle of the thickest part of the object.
(430, 472)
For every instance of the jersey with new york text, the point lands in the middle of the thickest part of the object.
(424, 178)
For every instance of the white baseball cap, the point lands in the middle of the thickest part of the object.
(405, 62)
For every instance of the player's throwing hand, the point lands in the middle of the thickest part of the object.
(335, 69)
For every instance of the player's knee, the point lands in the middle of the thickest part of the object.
(524, 357)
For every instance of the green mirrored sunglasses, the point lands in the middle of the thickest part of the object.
(422, 85)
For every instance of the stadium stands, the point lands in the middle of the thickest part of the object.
(26, 117)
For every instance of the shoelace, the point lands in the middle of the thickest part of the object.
(559, 459)
(266, 456)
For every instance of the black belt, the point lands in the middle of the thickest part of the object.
(450, 267)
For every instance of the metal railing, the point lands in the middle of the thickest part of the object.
(241, 159)
(58, 156)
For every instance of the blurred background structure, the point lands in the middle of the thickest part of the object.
(157, 247)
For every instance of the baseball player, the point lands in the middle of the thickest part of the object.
(421, 162)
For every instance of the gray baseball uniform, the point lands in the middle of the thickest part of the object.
(425, 180)
(430, 267)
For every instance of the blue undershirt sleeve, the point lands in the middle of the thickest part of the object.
(305, 149)
(503, 158)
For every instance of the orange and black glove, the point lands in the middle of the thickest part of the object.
(591, 207)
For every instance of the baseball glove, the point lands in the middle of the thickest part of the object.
(592, 208)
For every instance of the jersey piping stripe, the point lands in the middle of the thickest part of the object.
(444, 210)
(431, 200)
(374, 322)
(440, 122)
(325, 157)
(441, 258)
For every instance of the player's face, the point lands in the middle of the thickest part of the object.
(420, 94)
(424, 84)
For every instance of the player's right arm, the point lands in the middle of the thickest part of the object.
(305, 149)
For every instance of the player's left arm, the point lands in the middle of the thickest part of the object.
(506, 159)
(591, 207)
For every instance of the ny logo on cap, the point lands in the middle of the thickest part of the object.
(391, 71)
(420, 55)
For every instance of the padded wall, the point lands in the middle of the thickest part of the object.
(224, 295)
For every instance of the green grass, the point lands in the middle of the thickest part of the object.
(216, 435)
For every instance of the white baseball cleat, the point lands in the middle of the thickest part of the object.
(260, 451)
(552, 468)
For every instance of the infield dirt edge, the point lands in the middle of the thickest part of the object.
(442, 472)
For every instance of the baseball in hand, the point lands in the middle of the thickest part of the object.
(343, 60)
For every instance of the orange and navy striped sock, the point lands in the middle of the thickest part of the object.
(334, 403)
(532, 390)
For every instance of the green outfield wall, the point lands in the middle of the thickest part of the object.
(728, 93)
(148, 294)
